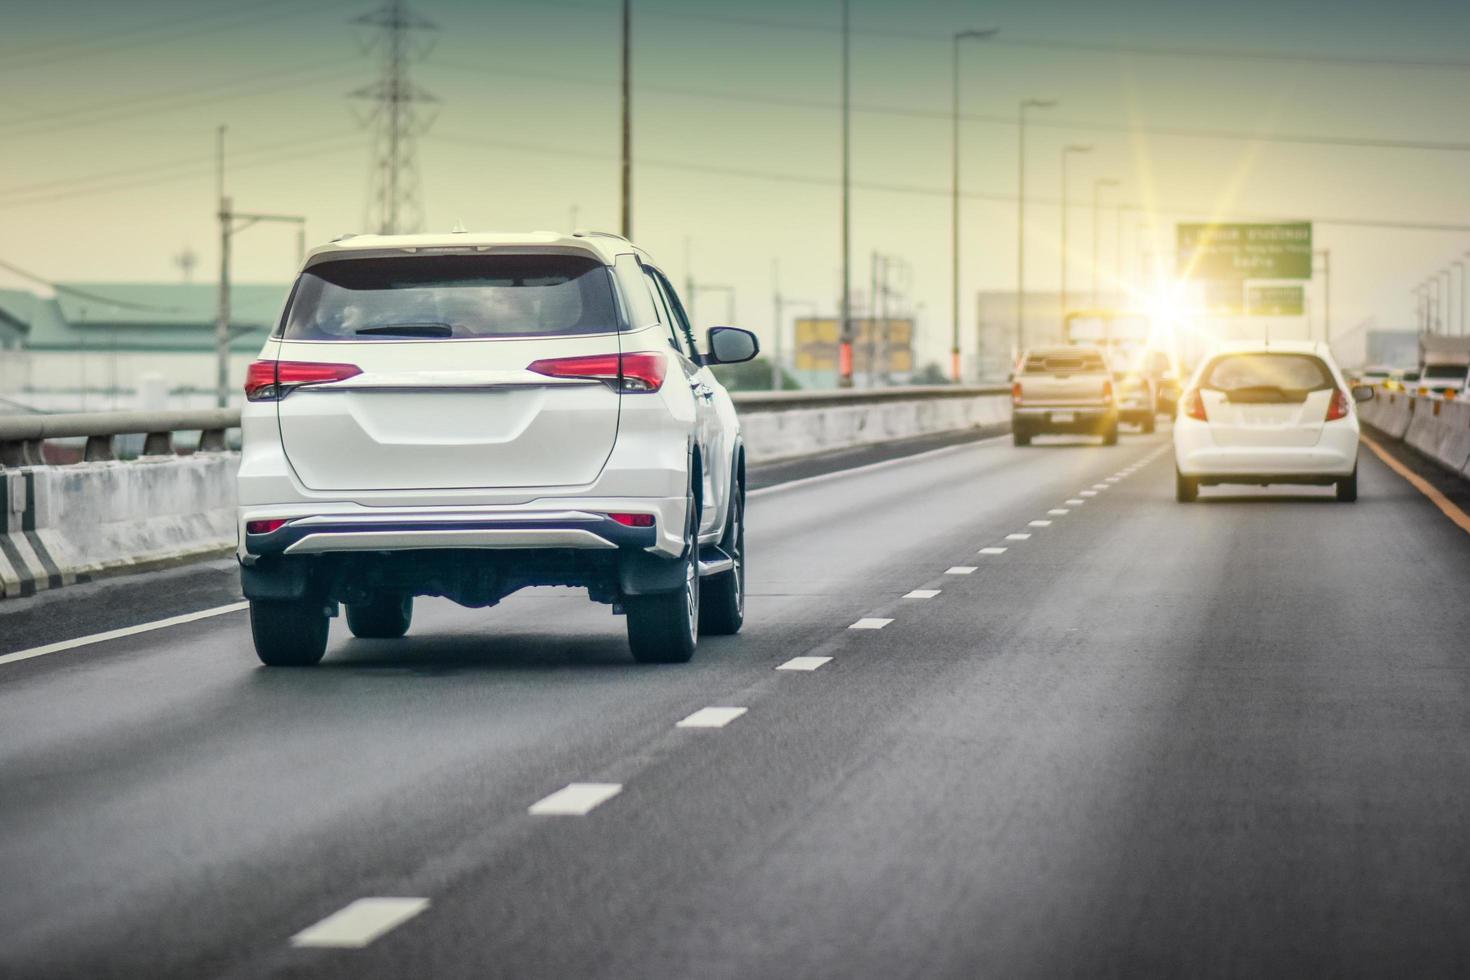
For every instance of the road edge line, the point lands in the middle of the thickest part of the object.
(117, 634)
(1447, 506)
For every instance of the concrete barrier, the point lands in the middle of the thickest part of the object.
(1438, 428)
(66, 524)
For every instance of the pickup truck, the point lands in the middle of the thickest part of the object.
(1063, 390)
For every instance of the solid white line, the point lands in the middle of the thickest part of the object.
(711, 718)
(992, 551)
(1018, 536)
(922, 594)
(1076, 501)
(869, 467)
(870, 624)
(116, 634)
(1059, 511)
(803, 663)
(360, 923)
(576, 799)
(960, 570)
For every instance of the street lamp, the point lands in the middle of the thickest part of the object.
(1067, 151)
(954, 245)
(1021, 215)
(1098, 184)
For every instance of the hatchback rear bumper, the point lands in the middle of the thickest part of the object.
(1195, 454)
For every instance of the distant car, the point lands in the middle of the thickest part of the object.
(1443, 378)
(1370, 376)
(1268, 413)
(1402, 379)
(1137, 388)
(466, 415)
(1063, 390)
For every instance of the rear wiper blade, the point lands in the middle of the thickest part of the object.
(408, 330)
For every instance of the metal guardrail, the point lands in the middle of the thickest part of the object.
(21, 436)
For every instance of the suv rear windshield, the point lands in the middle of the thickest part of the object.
(1444, 372)
(1268, 377)
(1079, 362)
(452, 297)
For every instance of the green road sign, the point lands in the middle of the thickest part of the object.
(1275, 300)
(1220, 252)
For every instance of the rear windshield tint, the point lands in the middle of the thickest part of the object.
(452, 297)
(1444, 372)
(1288, 374)
(1082, 362)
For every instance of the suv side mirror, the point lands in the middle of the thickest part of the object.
(1362, 393)
(731, 345)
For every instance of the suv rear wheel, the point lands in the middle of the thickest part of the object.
(289, 633)
(385, 617)
(722, 597)
(663, 628)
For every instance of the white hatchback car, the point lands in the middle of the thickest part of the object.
(1268, 413)
(466, 415)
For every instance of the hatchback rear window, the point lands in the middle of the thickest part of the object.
(452, 297)
(1082, 362)
(1268, 376)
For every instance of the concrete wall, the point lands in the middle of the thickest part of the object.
(65, 524)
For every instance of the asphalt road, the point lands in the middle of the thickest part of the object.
(1227, 738)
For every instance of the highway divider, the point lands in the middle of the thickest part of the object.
(1437, 427)
(70, 523)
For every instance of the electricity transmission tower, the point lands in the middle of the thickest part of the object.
(394, 201)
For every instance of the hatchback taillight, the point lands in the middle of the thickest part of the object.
(637, 373)
(270, 381)
(1338, 407)
(1194, 405)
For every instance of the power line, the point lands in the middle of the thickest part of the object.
(917, 189)
(1185, 132)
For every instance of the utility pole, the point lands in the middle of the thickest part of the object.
(1326, 294)
(1098, 183)
(396, 204)
(874, 272)
(1021, 215)
(780, 304)
(844, 346)
(232, 222)
(1067, 151)
(627, 119)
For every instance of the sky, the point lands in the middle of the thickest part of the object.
(109, 113)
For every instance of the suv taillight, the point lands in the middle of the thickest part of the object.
(627, 373)
(270, 381)
(1015, 393)
(1338, 407)
(1193, 404)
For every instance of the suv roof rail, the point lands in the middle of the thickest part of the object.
(599, 234)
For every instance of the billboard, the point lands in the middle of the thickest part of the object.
(1235, 252)
(889, 343)
(1275, 300)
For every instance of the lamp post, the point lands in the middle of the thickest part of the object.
(954, 245)
(844, 346)
(1021, 214)
(1067, 152)
(1098, 184)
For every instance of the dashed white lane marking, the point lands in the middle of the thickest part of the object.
(960, 570)
(992, 551)
(1038, 524)
(1076, 501)
(1113, 479)
(1099, 486)
(576, 799)
(803, 663)
(922, 594)
(1018, 536)
(358, 924)
(1087, 493)
(1059, 511)
(117, 634)
(870, 623)
(711, 718)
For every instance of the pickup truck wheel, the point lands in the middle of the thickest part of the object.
(722, 597)
(1149, 425)
(1186, 488)
(386, 617)
(289, 633)
(1020, 436)
(663, 628)
(1347, 488)
(1110, 435)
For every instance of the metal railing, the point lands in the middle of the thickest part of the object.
(21, 436)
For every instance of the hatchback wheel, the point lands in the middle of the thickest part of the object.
(386, 617)
(1347, 488)
(1186, 488)
(290, 633)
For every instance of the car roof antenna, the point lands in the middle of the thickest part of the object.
(459, 228)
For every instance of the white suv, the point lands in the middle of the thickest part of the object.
(465, 415)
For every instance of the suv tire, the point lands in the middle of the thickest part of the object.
(289, 633)
(385, 617)
(1347, 488)
(722, 597)
(663, 628)
(1186, 488)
